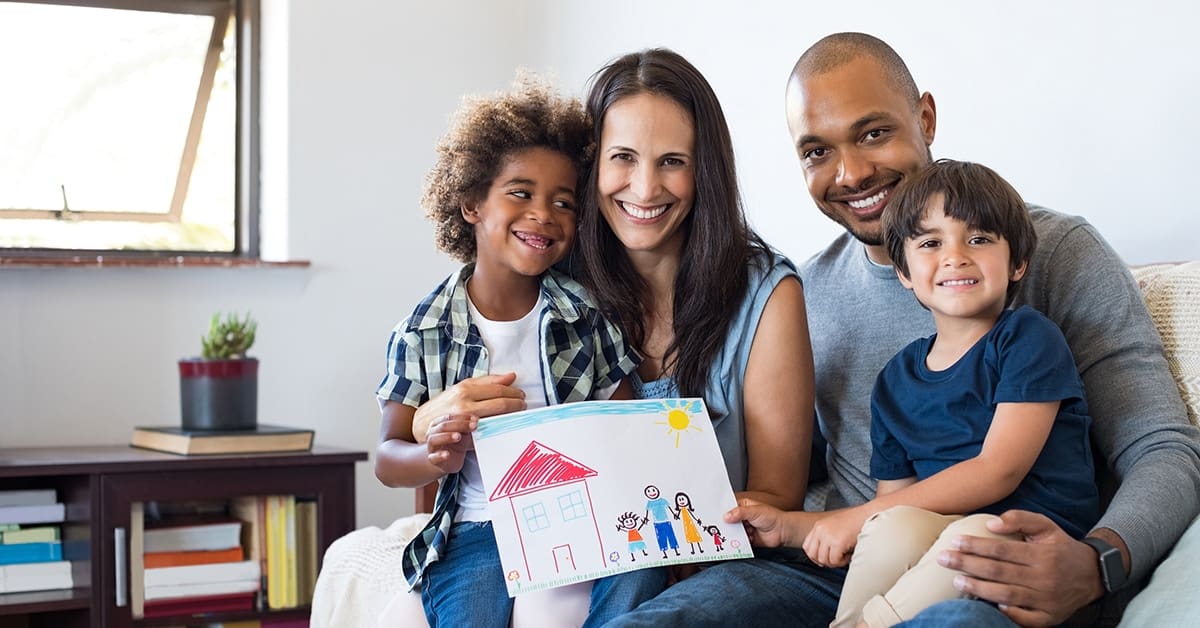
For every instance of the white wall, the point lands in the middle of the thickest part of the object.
(1080, 104)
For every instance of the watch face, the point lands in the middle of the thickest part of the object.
(1113, 569)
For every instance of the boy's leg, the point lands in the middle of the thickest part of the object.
(786, 591)
(890, 542)
(614, 596)
(927, 583)
(466, 587)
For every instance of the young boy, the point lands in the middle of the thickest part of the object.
(503, 196)
(986, 415)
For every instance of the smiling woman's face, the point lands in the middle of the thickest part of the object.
(647, 175)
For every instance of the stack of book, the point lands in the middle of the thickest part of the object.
(290, 550)
(31, 556)
(194, 566)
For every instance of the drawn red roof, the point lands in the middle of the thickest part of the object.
(539, 467)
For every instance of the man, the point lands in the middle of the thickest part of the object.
(860, 127)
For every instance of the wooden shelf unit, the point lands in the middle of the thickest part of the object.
(99, 484)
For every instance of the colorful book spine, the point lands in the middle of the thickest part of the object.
(30, 553)
(40, 534)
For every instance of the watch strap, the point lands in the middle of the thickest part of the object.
(1112, 567)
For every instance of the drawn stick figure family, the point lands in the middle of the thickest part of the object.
(661, 512)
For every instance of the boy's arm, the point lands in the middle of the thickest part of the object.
(399, 461)
(1013, 442)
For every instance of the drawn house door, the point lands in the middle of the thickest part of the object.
(552, 508)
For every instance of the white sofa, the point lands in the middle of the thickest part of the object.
(361, 582)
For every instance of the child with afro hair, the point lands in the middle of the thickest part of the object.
(503, 197)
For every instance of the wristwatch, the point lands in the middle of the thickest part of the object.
(1112, 568)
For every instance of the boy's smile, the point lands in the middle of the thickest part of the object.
(524, 225)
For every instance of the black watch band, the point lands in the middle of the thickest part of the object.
(1112, 568)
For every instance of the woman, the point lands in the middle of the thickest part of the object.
(664, 248)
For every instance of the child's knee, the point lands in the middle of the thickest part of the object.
(975, 525)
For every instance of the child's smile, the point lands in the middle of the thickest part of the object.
(524, 225)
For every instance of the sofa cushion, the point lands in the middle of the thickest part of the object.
(1172, 293)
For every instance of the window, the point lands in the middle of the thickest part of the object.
(535, 517)
(571, 506)
(134, 129)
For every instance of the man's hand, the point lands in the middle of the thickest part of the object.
(833, 538)
(473, 398)
(449, 441)
(1040, 581)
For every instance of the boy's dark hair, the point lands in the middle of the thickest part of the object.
(482, 134)
(972, 193)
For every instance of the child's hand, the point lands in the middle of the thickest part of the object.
(765, 525)
(448, 442)
(478, 397)
(832, 539)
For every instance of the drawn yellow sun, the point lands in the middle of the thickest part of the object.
(679, 419)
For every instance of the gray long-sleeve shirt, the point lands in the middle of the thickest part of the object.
(860, 315)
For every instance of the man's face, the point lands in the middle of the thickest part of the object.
(857, 136)
(652, 491)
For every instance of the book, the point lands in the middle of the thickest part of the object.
(195, 605)
(187, 536)
(198, 574)
(137, 566)
(37, 513)
(252, 512)
(35, 576)
(37, 534)
(197, 589)
(30, 552)
(262, 439)
(154, 560)
(28, 497)
(306, 550)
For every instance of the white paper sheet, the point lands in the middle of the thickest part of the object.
(586, 490)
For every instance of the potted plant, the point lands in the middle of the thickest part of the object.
(219, 390)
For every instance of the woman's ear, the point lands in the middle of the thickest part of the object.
(470, 213)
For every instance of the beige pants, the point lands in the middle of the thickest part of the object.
(894, 572)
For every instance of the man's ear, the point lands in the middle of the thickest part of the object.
(1019, 271)
(927, 110)
(470, 213)
(904, 281)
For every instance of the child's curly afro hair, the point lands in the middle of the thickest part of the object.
(485, 131)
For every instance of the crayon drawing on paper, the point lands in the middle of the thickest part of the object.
(585, 490)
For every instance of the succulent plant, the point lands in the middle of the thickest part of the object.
(228, 339)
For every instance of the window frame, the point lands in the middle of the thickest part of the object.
(246, 15)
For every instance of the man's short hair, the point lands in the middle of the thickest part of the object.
(834, 51)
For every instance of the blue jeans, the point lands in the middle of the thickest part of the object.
(966, 613)
(782, 588)
(466, 586)
(617, 595)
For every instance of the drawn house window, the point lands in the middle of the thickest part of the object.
(535, 517)
(572, 506)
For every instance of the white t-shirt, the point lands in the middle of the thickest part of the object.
(512, 346)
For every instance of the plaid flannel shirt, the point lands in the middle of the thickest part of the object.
(438, 346)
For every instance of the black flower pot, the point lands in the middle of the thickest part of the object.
(219, 394)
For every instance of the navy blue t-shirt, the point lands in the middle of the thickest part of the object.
(925, 421)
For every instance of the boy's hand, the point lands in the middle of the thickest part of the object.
(448, 442)
(475, 397)
(765, 524)
(832, 539)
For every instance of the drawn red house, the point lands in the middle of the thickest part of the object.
(552, 508)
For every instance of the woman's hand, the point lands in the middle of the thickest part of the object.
(470, 399)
